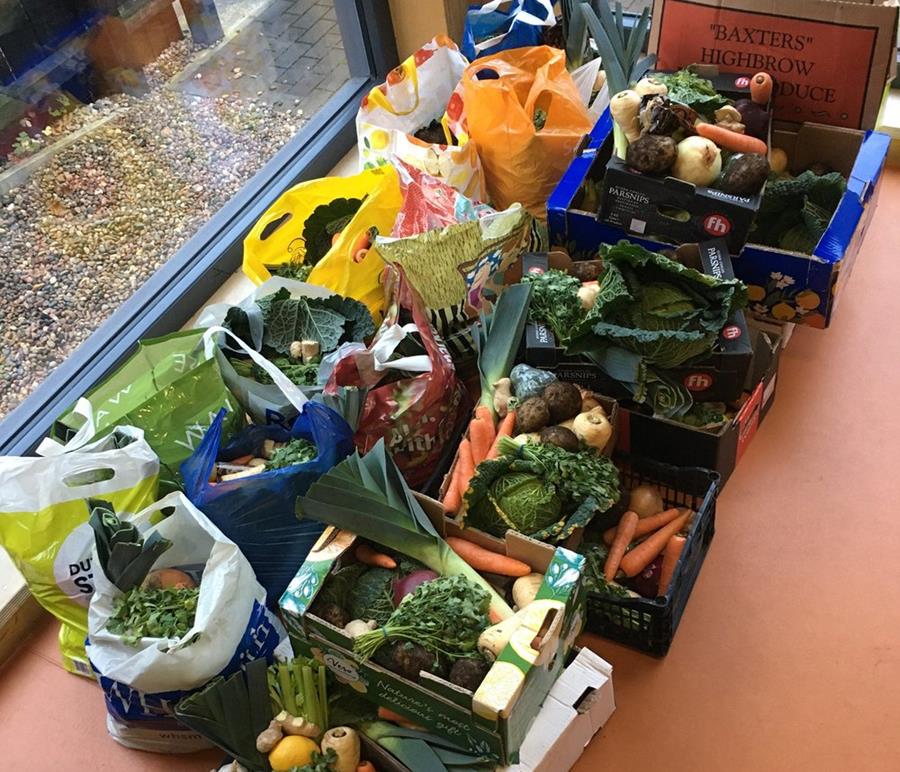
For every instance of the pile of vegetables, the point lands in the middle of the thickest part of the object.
(678, 125)
(296, 333)
(646, 314)
(638, 557)
(153, 604)
(272, 455)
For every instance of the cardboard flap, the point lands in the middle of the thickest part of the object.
(869, 163)
(831, 60)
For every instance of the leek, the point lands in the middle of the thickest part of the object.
(620, 50)
(498, 337)
(422, 750)
(368, 496)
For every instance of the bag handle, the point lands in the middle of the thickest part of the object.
(290, 390)
(380, 99)
(50, 446)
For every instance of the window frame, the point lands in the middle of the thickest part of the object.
(174, 293)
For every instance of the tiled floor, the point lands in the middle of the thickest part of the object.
(786, 659)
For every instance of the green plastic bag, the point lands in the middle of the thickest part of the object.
(171, 388)
(44, 522)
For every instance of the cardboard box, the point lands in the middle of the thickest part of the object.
(646, 204)
(134, 41)
(717, 377)
(578, 706)
(475, 720)
(721, 449)
(831, 60)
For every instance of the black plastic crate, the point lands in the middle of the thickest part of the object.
(650, 624)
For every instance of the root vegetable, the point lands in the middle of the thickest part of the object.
(468, 673)
(673, 551)
(652, 154)
(359, 626)
(493, 640)
(344, 741)
(297, 726)
(645, 500)
(333, 614)
(699, 161)
(296, 350)
(269, 737)
(168, 578)
(522, 439)
(532, 415)
(587, 292)
(635, 561)
(309, 351)
(563, 400)
(561, 437)
(646, 524)
(623, 537)
(731, 140)
(408, 659)
(586, 270)
(502, 396)
(728, 114)
(754, 118)
(366, 766)
(371, 557)
(778, 160)
(761, 86)
(651, 85)
(408, 584)
(482, 559)
(745, 174)
(504, 429)
(525, 589)
(593, 428)
(624, 108)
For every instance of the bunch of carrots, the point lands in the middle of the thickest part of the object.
(636, 542)
(479, 444)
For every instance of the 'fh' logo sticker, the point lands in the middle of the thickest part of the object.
(717, 225)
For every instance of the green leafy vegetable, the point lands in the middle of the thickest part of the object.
(295, 271)
(690, 89)
(291, 319)
(420, 750)
(795, 212)
(154, 613)
(705, 415)
(299, 373)
(574, 487)
(554, 301)
(372, 597)
(125, 556)
(323, 223)
(230, 712)
(320, 762)
(297, 451)
(299, 687)
(394, 518)
(445, 616)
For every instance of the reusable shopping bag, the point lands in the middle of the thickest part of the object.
(414, 402)
(44, 522)
(489, 29)
(258, 513)
(170, 388)
(525, 115)
(413, 98)
(142, 682)
(300, 227)
(453, 252)
(264, 402)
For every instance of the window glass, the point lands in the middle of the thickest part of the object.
(124, 126)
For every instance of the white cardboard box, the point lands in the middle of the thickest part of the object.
(579, 704)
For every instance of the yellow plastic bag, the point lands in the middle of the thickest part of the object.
(415, 94)
(44, 522)
(525, 115)
(278, 238)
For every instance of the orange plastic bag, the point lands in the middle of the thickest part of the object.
(525, 115)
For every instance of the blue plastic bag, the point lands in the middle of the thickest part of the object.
(258, 513)
(489, 29)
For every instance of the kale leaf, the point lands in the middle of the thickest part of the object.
(692, 90)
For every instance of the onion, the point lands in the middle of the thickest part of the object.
(645, 501)
(699, 161)
(407, 585)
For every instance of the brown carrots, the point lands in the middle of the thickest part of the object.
(761, 86)
(731, 140)
(642, 555)
(674, 548)
(371, 557)
(646, 524)
(505, 429)
(624, 535)
(481, 434)
(482, 559)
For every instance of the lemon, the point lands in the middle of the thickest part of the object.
(292, 751)
(379, 139)
(783, 312)
(756, 293)
(807, 300)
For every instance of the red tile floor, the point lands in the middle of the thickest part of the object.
(787, 658)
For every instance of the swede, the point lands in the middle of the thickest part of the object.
(699, 161)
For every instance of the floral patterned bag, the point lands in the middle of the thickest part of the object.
(414, 402)
(412, 102)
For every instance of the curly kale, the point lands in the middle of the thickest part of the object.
(297, 451)
(692, 90)
(554, 301)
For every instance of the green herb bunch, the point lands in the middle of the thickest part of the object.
(154, 613)
(297, 451)
(445, 616)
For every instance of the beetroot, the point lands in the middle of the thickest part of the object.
(754, 118)
(406, 585)
(646, 583)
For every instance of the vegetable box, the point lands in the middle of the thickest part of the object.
(718, 449)
(650, 624)
(719, 376)
(665, 207)
(433, 702)
(578, 706)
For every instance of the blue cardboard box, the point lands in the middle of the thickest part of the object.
(784, 286)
